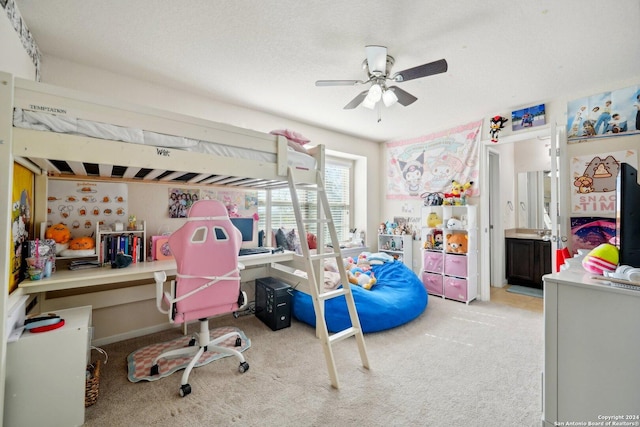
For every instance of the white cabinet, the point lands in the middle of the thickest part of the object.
(131, 242)
(46, 374)
(399, 246)
(449, 252)
(591, 351)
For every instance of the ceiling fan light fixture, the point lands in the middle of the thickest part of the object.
(369, 103)
(375, 93)
(389, 98)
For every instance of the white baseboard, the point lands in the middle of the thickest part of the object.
(133, 334)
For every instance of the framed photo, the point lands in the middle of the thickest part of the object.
(527, 118)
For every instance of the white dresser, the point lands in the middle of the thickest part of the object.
(592, 351)
(46, 374)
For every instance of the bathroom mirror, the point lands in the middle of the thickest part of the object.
(534, 197)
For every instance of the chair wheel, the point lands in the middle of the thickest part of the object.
(185, 389)
(192, 342)
(244, 367)
(238, 342)
(155, 370)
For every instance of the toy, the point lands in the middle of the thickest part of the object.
(82, 243)
(432, 199)
(457, 243)
(458, 194)
(454, 224)
(358, 277)
(58, 232)
(132, 222)
(437, 239)
(601, 259)
(382, 228)
(497, 124)
(433, 220)
(390, 227)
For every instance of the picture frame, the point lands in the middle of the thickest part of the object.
(528, 117)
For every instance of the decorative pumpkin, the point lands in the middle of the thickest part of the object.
(58, 232)
(82, 243)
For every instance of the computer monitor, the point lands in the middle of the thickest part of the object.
(245, 225)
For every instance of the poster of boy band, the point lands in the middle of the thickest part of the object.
(429, 163)
(608, 114)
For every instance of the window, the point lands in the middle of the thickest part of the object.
(338, 183)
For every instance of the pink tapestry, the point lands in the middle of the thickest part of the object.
(429, 163)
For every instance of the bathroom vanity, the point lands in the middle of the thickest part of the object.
(528, 257)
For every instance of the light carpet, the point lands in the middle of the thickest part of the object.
(455, 365)
(526, 290)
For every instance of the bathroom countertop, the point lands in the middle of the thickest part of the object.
(522, 233)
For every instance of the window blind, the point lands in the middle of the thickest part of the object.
(338, 184)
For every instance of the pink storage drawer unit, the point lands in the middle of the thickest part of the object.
(455, 288)
(432, 261)
(432, 283)
(455, 265)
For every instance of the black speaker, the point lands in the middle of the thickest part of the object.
(273, 303)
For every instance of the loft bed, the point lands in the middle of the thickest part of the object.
(67, 133)
(62, 133)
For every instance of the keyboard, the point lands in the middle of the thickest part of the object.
(253, 251)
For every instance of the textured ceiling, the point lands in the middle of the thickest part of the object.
(268, 55)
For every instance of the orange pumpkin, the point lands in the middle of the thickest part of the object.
(81, 243)
(58, 232)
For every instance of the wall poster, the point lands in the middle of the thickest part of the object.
(615, 113)
(21, 222)
(82, 205)
(429, 163)
(594, 181)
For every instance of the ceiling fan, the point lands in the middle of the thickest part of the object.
(378, 67)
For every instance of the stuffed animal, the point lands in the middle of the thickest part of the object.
(364, 279)
(433, 220)
(58, 232)
(82, 243)
(454, 224)
(497, 124)
(457, 243)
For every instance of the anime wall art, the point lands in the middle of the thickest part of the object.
(594, 181)
(429, 163)
(609, 114)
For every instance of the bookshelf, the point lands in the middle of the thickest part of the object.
(131, 242)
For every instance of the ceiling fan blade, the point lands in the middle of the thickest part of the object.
(356, 101)
(377, 59)
(404, 97)
(338, 82)
(423, 70)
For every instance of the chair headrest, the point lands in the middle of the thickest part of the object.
(207, 208)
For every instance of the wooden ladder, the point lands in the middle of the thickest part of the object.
(315, 273)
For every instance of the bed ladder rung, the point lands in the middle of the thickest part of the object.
(325, 255)
(324, 217)
(331, 294)
(339, 336)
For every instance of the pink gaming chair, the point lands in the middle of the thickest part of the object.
(207, 282)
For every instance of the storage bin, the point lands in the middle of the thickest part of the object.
(433, 261)
(455, 265)
(432, 283)
(455, 288)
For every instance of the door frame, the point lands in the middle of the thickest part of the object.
(549, 131)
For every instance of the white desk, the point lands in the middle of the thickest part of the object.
(71, 279)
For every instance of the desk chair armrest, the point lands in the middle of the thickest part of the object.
(160, 277)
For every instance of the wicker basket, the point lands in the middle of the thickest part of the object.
(92, 386)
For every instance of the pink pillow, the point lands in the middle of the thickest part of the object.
(291, 136)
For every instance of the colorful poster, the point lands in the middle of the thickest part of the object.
(590, 232)
(429, 163)
(81, 205)
(615, 113)
(593, 180)
(21, 222)
(180, 200)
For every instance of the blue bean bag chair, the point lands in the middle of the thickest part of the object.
(397, 298)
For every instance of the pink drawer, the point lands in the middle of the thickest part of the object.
(455, 288)
(455, 265)
(432, 282)
(432, 261)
